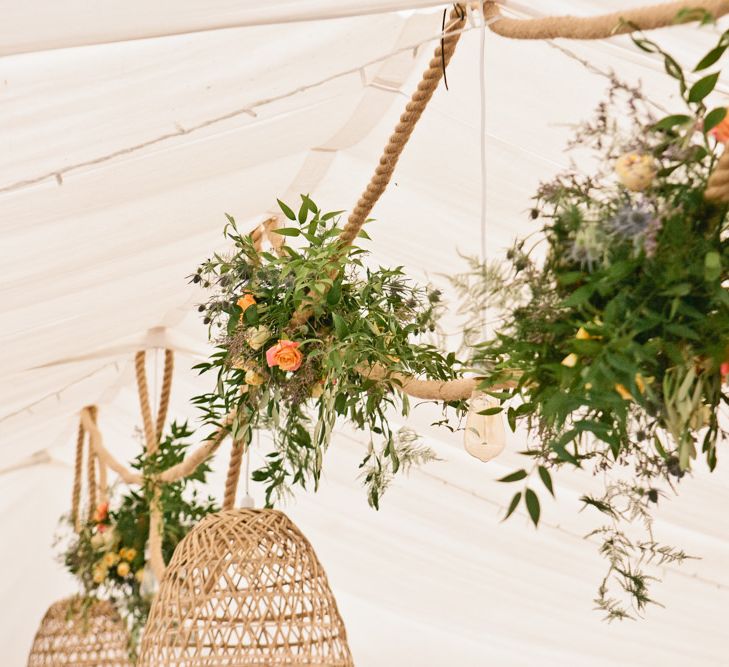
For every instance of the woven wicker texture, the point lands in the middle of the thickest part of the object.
(73, 635)
(244, 588)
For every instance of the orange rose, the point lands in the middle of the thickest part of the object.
(720, 132)
(102, 511)
(285, 354)
(246, 301)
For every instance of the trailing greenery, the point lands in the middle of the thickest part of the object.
(616, 336)
(298, 380)
(109, 555)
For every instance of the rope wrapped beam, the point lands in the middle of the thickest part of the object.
(596, 27)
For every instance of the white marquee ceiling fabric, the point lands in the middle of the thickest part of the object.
(127, 131)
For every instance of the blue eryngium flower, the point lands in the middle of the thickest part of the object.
(588, 246)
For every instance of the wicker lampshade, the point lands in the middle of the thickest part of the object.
(74, 635)
(244, 588)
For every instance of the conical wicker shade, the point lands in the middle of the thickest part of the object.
(244, 588)
(73, 635)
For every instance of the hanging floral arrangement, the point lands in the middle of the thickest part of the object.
(617, 337)
(108, 555)
(310, 334)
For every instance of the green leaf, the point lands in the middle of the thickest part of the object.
(335, 293)
(712, 266)
(250, 315)
(671, 121)
(713, 118)
(703, 87)
(711, 57)
(286, 210)
(512, 505)
(546, 479)
(579, 297)
(532, 503)
(514, 476)
(511, 418)
(287, 231)
(490, 411)
(340, 326)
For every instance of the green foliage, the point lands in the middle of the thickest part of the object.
(360, 318)
(617, 333)
(108, 556)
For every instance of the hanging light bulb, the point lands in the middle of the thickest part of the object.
(485, 436)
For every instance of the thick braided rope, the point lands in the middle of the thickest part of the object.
(77, 474)
(231, 481)
(91, 469)
(156, 520)
(596, 27)
(97, 443)
(178, 471)
(164, 397)
(395, 144)
(717, 189)
(201, 454)
(103, 482)
(143, 393)
(399, 138)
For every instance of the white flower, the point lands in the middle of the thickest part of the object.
(257, 336)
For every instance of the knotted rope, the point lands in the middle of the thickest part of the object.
(597, 27)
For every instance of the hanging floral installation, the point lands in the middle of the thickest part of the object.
(295, 375)
(109, 555)
(617, 329)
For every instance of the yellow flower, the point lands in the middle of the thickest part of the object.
(128, 554)
(570, 360)
(246, 301)
(254, 378)
(99, 574)
(110, 559)
(582, 334)
(139, 575)
(624, 393)
(588, 385)
(635, 171)
(122, 569)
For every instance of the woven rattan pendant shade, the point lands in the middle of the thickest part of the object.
(75, 636)
(245, 588)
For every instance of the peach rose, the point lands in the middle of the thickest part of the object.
(635, 171)
(720, 132)
(246, 301)
(285, 354)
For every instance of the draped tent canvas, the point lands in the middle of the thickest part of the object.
(87, 380)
